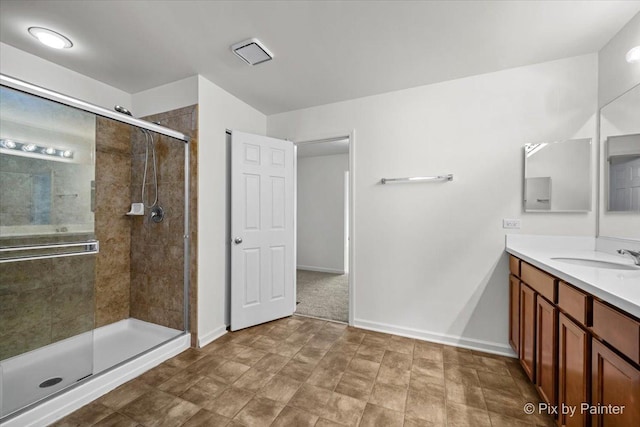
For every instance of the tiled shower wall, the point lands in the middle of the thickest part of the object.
(157, 258)
(139, 269)
(112, 227)
(44, 301)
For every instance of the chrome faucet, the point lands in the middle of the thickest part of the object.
(633, 254)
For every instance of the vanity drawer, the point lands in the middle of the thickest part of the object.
(573, 302)
(538, 280)
(514, 265)
(619, 330)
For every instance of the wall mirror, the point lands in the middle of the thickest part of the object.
(46, 167)
(620, 166)
(620, 136)
(557, 176)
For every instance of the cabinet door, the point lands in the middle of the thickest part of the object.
(615, 382)
(528, 330)
(546, 349)
(514, 313)
(573, 370)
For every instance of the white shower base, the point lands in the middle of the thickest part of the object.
(75, 358)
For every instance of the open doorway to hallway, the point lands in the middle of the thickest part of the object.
(322, 288)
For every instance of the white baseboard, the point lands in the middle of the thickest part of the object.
(469, 343)
(69, 400)
(320, 269)
(209, 337)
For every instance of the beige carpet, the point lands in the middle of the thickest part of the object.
(323, 295)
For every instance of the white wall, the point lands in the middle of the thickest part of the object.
(320, 225)
(178, 94)
(429, 258)
(32, 69)
(217, 111)
(615, 74)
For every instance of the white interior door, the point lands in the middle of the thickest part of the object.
(625, 185)
(262, 229)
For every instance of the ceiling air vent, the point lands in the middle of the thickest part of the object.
(252, 52)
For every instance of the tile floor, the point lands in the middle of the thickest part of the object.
(300, 371)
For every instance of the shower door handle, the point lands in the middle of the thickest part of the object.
(237, 240)
(46, 251)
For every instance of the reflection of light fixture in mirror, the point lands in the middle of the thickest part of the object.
(7, 143)
(50, 38)
(633, 56)
(25, 147)
(532, 149)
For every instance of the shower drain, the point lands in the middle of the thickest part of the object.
(50, 382)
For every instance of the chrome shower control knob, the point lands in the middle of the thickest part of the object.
(237, 240)
(157, 214)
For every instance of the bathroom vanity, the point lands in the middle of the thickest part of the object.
(576, 327)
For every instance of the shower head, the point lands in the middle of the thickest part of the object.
(122, 110)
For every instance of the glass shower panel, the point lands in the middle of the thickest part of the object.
(47, 247)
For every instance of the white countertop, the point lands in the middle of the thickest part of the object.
(620, 288)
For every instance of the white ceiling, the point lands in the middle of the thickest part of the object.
(325, 51)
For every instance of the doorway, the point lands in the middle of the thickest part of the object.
(322, 228)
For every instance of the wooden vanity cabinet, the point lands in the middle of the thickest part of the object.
(574, 370)
(528, 330)
(615, 382)
(538, 328)
(617, 329)
(575, 348)
(546, 349)
(514, 313)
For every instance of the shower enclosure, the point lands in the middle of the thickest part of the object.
(86, 284)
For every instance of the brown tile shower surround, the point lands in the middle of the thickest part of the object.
(44, 301)
(157, 257)
(112, 228)
(300, 371)
(140, 266)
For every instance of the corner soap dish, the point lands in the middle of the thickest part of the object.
(136, 209)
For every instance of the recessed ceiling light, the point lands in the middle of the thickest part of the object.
(50, 38)
(633, 56)
(252, 52)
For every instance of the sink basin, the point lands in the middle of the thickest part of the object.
(597, 263)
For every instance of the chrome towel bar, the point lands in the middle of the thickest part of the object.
(22, 253)
(448, 177)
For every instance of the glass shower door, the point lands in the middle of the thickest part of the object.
(47, 247)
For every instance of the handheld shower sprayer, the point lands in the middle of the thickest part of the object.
(157, 213)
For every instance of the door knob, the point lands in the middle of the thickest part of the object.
(237, 240)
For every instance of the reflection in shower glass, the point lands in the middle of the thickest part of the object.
(69, 311)
(47, 165)
(46, 303)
